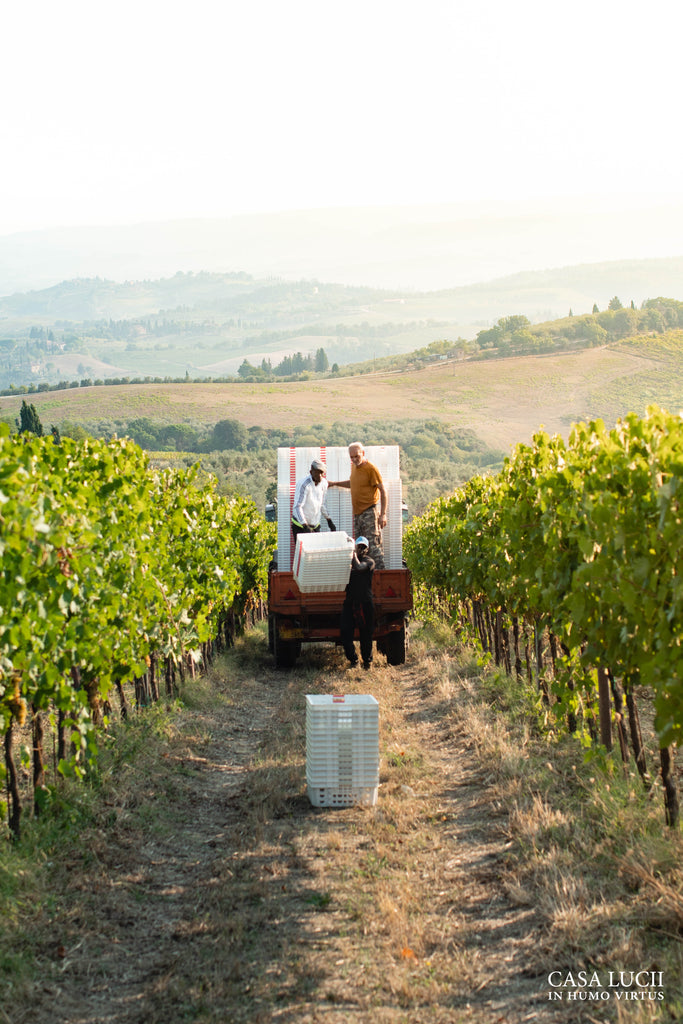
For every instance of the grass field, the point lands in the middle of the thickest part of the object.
(504, 401)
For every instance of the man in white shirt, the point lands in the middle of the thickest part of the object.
(309, 501)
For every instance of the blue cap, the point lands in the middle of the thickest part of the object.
(362, 540)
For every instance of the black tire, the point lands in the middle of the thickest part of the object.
(285, 651)
(271, 633)
(395, 646)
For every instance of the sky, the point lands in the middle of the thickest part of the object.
(135, 111)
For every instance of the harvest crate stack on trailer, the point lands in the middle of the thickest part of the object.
(306, 588)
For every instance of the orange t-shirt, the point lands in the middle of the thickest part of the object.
(365, 482)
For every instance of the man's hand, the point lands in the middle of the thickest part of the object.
(382, 520)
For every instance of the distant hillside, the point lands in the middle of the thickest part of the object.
(84, 299)
(503, 402)
(540, 295)
(207, 325)
(550, 294)
(451, 415)
(192, 297)
(420, 248)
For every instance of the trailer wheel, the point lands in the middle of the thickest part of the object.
(271, 633)
(285, 651)
(395, 646)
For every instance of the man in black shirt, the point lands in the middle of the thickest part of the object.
(358, 608)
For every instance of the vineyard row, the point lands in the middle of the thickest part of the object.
(111, 574)
(572, 554)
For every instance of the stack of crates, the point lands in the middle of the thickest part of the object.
(342, 749)
(322, 561)
(294, 463)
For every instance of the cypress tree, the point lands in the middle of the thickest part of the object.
(29, 420)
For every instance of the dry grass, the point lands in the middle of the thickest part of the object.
(200, 885)
(589, 850)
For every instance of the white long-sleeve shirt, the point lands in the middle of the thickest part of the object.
(309, 501)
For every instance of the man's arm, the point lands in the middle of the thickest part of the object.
(366, 564)
(383, 504)
(339, 483)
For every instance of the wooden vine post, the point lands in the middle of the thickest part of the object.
(14, 801)
(671, 806)
(605, 709)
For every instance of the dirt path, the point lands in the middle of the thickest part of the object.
(497, 937)
(221, 895)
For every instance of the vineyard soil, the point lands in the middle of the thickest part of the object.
(210, 890)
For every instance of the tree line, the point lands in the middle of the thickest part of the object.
(516, 335)
(289, 365)
(435, 457)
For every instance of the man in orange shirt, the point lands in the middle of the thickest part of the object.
(368, 501)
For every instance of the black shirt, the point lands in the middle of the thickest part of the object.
(359, 587)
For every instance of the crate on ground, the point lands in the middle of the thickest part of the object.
(322, 561)
(342, 749)
(333, 796)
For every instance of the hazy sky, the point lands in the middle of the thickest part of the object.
(142, 110)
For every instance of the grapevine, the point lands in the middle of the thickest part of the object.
(576, 543)
(108, 568)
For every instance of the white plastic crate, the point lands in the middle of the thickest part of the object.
(339, 711)
(331, 780)
(345, 761)
(322, 561)
(325, 752)
(313, 542)
(332, 775)
(332, 796)
(346, 724)
(342, 749)
(393, 532)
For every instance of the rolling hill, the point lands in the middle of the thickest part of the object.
(503, 400)
(206, 324)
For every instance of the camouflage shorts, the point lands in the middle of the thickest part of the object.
(366, 524)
